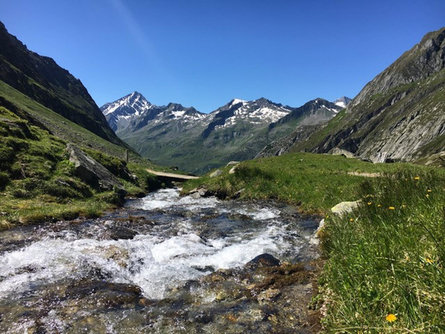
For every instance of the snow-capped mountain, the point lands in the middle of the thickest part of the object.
(134, 110)
(343, 101)
(121, 112)
(256, 112)
(131, 104)
(184, 137)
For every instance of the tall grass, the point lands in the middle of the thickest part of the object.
(388, 257)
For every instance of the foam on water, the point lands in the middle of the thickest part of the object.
(153, 261)
(167, 198)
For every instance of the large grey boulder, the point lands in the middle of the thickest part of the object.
(216, 173)
(90, 171)
(345, 207)
(342, 152)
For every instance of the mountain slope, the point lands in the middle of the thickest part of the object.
(41, 79)
(299, 124)
(184, 137)
(399, 115)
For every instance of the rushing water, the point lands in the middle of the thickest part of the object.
(95, 275)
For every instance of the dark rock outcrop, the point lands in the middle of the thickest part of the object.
(90, 171)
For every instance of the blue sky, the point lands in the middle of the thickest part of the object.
(204, 53)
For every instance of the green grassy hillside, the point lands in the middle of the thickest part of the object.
(41, 79)
(37, 180)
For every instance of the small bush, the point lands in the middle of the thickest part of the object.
(4, 180)
(7, 155)
(21, 193)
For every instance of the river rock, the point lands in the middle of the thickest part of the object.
(263, 260)
(199, 192)
(266, 296)
(344, 207)
(119, 255)
(315, 238)
(122, 233)
(90, 171)
(104, 294)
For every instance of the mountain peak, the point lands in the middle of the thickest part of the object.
(133, 110)
(342, 101)
(237, 101)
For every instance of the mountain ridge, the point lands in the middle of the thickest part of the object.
(40, 78)
(237, 130)
(399, 115)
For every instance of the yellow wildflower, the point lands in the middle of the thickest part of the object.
(427, 195)
(428, 260)
(404, 206)
(429, 190)
(391, 317)
(351, 219)
(417, 178)
(369, 203)
(379, 205)
(391, 208)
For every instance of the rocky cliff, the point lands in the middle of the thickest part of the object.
(399, 115)
(42, 80)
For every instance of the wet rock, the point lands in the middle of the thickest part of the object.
(199, 192)
(90, 171)
(268, 295)
(119, 255)
(105, 294)
(263, 260)
(122, 233)
(238, 193)
(315, 239)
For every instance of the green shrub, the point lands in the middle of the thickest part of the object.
(4, 180)
(7, 155)
(21, 193)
